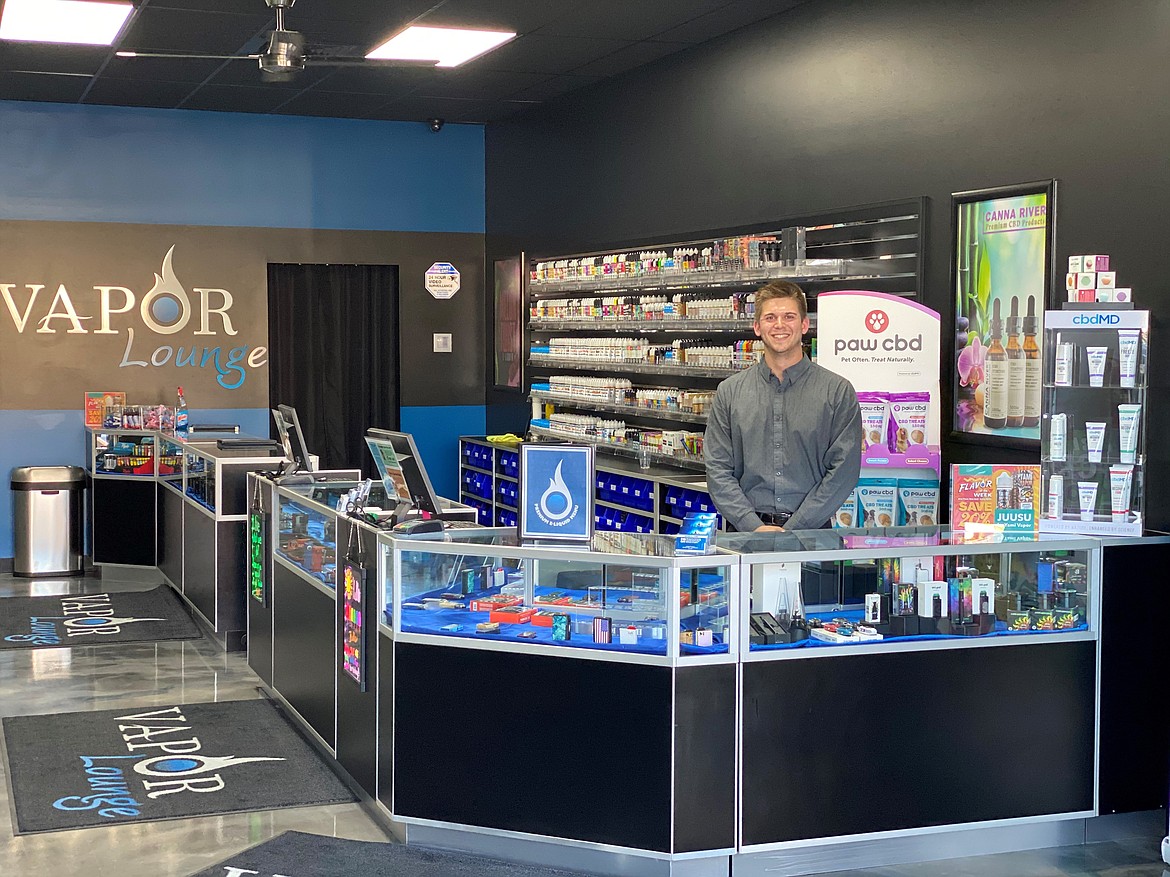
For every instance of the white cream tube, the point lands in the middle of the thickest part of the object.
(1097, 357)
(1128, 416)
(1120, 487)
(1095, 437)
(1056, 497)
(1128, 341)
(1057, 436)
(1087, 490)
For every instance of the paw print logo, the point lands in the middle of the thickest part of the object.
(877, 321)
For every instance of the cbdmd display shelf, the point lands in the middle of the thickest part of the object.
(1094, 425)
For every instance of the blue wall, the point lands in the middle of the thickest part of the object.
(182, 167)
(436, 431)
(62, 162)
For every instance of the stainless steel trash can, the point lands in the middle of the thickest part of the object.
(47, 518)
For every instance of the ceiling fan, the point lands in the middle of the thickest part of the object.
(287, 52)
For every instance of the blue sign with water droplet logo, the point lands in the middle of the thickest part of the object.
(556, 492)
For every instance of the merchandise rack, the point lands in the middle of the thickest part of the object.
(878, 247)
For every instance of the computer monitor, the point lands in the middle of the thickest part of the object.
(288, 425)
(402, 471)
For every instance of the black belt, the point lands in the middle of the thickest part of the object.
(780, 519)
(775, 519)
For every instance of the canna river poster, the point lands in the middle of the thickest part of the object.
(1002, 265)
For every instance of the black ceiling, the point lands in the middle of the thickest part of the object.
(561, 45)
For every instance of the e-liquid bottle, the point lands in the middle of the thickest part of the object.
(995, 364)
(1016, 367)
(1032, 367)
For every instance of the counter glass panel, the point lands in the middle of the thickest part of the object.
(307, 528)
(843, 588)
(122, 452)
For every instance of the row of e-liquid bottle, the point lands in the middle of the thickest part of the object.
(698, 352)
(619, 391)
(1013, 372)
(680, 306)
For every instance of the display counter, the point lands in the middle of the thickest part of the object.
(731, 723)
(122, 466)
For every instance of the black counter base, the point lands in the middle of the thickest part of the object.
(845, 745)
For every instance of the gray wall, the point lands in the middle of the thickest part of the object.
(846, 102)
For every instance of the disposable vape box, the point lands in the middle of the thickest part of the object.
(983, 596)
(1065, 619)
(703, 637)
(1019, 621)
(933, 599)
(1087, 280)
(1076, 264)
(1043, 619)
(628, 635)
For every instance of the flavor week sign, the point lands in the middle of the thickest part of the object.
(988, 499)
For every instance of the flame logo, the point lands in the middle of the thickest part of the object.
(106, 625)
(167, 300)
(557, 487)
(186, 765)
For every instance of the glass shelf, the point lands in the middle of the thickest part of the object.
(719, 280)
(603, 323)
(636, 368)
(694, 463)
(616, 408)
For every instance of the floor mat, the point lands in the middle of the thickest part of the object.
(67, 620)
(311, 855)
(77, 770)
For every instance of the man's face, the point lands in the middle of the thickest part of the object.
(779, 326)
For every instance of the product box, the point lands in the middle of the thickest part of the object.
(877, 500)
(1065, 619)
(1086, 295)
(628, 635)
(1001, 496)
(497, 601)
(1087, 280)
(873, 609)
(1123, 293)
(1018, 621)
(1070, 281)
(933, 599)
(917, 502)
(540, 618)
(1094, 263)
(983, 596)
(512, 614)
(1102, 294)
(1043, 619)
(1076, 264)
(846, 516)
(1106, 279)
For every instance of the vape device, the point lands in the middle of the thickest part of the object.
(603, 629)
(561, 631)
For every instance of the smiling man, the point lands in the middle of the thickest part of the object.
(783, 442)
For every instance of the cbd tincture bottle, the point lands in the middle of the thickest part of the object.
(1016, 367)
(1032, 366)
(995, 364)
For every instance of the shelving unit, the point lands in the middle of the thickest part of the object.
(646, 292)
(488, 473)
(1121, 340)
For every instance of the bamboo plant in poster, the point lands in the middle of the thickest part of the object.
(1002, 272)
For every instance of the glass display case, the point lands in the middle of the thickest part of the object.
(129, 452)
(306, 529)
(843, 588)
(201, 479)
(1093, 431)
(622, 593)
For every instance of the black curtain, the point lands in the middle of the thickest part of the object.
(333, 354)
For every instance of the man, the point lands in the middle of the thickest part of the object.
(783, 442)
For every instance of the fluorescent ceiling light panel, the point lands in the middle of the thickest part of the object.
(63, 21)
(447, 46)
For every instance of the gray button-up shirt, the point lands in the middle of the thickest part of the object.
(783, 446)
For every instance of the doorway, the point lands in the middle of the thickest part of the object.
(333, 354)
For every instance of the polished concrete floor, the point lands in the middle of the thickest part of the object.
(105, 677)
